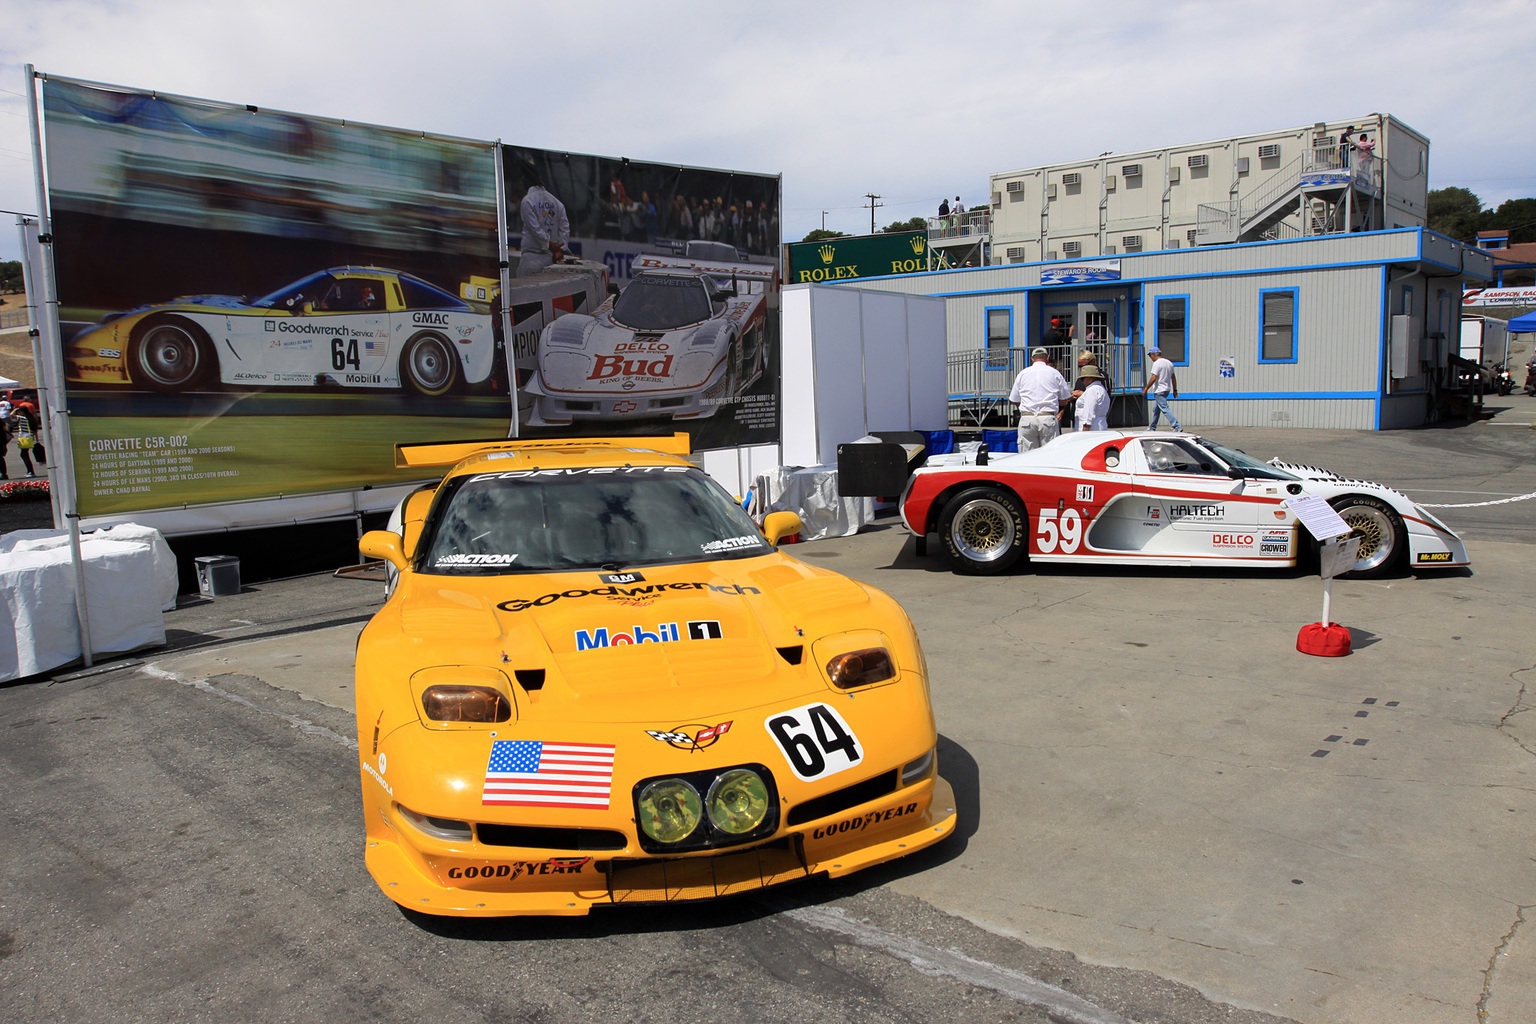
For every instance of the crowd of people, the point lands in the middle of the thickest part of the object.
(750, 227)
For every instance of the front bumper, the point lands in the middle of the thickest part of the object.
(475, 880)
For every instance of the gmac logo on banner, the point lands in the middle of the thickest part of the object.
(1082, 273)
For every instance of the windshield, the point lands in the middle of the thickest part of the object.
(588, 518)
(655, 302)
(1247, 463)
(297, 294)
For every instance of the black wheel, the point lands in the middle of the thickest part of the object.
(985, 530)
(170, 354)
(428, 365)
(1382, 536)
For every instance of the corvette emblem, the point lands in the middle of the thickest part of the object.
(690, 737)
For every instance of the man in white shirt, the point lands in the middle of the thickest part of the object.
(1040, 393)
(1160, 382)
(546, 229)
(1093, 401)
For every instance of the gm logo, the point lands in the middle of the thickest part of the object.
(270, 325)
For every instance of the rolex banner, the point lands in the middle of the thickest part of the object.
(851, 256)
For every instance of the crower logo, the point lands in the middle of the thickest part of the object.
(863, 821)
(690, 737)
(519, 868)
(646, 592)
(1433, 556)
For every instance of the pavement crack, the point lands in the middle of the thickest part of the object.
(1499, 953)
(1519, 707)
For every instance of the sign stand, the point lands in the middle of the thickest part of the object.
(1337, 553)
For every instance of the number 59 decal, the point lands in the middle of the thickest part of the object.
(815, 740)
(1069, 534)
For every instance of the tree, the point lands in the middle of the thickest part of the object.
(820, 233)
(1455, 213)
(1518, 217)
(915, 224)
(10, 276)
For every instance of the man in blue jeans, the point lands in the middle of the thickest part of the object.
(1160, 382)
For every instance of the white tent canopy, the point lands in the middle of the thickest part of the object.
(6, 382)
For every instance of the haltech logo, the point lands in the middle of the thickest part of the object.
(919, 243)
(828, 253)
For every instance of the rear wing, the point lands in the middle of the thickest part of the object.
(450, 453)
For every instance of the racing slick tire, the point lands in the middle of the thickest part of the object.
(428, 365)
(169, 353)
(985, 531)
(1383, 539)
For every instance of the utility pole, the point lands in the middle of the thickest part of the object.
(823, 220)
(874, 204)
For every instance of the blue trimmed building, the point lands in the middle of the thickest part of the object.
(1345, 331)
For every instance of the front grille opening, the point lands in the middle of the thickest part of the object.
(541, 838)
(668, 403)
(842, 799)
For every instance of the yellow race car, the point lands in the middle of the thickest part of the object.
(595, 681)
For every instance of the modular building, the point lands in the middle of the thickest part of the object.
(1348, 331)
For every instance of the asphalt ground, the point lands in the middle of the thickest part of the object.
(1167, 813)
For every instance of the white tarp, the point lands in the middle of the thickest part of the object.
(811, 493)
(126, 586)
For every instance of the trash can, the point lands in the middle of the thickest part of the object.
(217, 575)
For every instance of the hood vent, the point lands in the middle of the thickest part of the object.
(530, 679)
(792, 654)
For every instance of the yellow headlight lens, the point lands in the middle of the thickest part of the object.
(860, 668)
(738, 801)
(465, 704)
(670, 810)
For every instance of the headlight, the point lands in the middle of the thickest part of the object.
(438, 828)
(860, 668)
(738, 802)
(670, 810)
(919, 769)
(448, 703)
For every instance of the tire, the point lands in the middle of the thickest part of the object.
(170, 354)
(428, 365)
(1383, 538)
(985, 531)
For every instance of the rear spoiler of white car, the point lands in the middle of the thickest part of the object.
(450, 453)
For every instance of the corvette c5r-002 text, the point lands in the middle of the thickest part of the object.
(596, 681)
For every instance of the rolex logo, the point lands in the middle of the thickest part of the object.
(919, 243)
(828, 253)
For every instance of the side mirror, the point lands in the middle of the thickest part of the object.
(383, 546)
(1236, 473)
(778, 525)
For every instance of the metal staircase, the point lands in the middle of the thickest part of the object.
(1315, 194)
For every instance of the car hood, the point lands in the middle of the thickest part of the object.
(688, 640)
(580, 353)
(186, 301)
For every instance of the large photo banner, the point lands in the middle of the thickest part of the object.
(256, 304)
(686, 333)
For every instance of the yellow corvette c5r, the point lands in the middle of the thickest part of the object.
(596, 682)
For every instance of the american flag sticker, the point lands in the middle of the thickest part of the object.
(533, 773)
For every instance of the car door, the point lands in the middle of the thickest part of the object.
(1191, 506)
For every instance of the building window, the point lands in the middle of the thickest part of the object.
(1277, 325)
(999, 335)
(1172, 337)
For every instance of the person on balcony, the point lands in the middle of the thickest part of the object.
(1346, 146)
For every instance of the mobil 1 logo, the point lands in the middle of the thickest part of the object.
(815, 741)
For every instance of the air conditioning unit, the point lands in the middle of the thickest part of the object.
(1015, 186)
(1071, 178)
(1197, 160)
(1050, 191)
(1109, 183)
(1192, 234)
(1131, 170)
(1269, 151)
(1015, 252)
(1072, 249)
(1173, 173)
(1131, 242)
(1242, 165)
(997, 199)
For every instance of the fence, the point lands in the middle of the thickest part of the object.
(979, 380)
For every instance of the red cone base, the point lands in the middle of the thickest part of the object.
(1330, 641)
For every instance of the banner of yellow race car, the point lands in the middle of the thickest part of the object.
(256, 304)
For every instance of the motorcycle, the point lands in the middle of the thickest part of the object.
(1503, 380)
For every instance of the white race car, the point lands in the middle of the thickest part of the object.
(1164, 499)
(674, 344)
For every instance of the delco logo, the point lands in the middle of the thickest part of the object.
(588, 640)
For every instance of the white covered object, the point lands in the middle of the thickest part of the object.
(811, 493)
(39, 629)
(166, 580)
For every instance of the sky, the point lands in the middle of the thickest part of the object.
(913, 102)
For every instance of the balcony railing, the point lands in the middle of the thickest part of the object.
(970, 225)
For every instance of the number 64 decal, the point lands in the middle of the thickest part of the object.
(1069, 534)
(815, 740)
